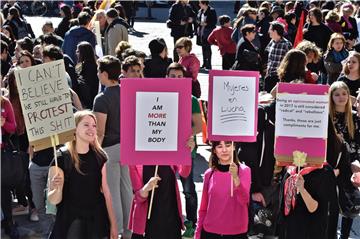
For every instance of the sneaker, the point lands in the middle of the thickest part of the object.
(189, 230)
(20, 210)
(34, 216)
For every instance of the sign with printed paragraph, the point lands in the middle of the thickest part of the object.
(46, 103)
(233, 100)
(302, 112)
(155, 121)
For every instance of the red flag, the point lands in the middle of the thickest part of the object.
(299, 32)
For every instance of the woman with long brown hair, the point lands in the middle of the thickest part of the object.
(222, 215)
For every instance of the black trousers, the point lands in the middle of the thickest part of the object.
(208, 235)
(6, 200)
(346, 224)
(206, 50)
(228, 61)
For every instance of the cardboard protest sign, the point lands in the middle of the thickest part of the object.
(155, 121)
(233, 101)
(46, 104)
(302, 112)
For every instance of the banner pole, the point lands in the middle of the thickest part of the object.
(232, 160)
(152, 193)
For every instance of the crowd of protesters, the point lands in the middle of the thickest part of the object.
(313, 42)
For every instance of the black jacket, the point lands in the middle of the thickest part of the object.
(177, 13)
(63, 27)
(204, 32)
(247, 56)
(155, 66)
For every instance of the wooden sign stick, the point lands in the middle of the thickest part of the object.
(152, 193)
(232, 160)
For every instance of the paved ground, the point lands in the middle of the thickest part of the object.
(146, 30)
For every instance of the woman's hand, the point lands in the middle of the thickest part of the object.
(152, 183)
(3, 120)
(57, 180)
(300, 183)
(233, 169)
(114, 234)
(191, 143)
(258, 197)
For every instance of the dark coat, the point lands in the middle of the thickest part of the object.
(247, 56)
(177, 13)
(63, 27)
(73, 37)
(354, 33)
(204, 32)
(155, 66)
(88, 84)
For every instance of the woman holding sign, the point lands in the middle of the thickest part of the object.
(347, 125)
(165, 221)
(221, 215)
(84, 206)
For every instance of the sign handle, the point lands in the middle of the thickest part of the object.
(232, 179)
(54, 142)
(152, 193)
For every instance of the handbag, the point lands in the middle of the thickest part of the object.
(12, 169)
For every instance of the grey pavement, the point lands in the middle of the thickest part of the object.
(146, 30)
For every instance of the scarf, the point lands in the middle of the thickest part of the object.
(290, 186)
(348, 23)
(340, 56)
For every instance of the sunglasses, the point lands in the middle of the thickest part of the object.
(179, 47)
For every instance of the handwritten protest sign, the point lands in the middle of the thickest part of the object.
(155, 121)
(302, 112)
(46, 103)
(233, 100)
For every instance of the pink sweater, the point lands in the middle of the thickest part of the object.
(7, 112)
(139, 207)
(219, 212)
(192, 65)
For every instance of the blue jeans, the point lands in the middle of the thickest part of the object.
(190, 195)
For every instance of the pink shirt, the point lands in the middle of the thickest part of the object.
(219, 212)
(7, 112)
(192, 65)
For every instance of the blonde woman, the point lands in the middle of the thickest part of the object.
(84, 208)
(347, 125)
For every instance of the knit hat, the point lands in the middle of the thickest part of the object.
(156, 46)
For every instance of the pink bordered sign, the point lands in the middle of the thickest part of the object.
(155, 121)
(233, 102)
(302, 112)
